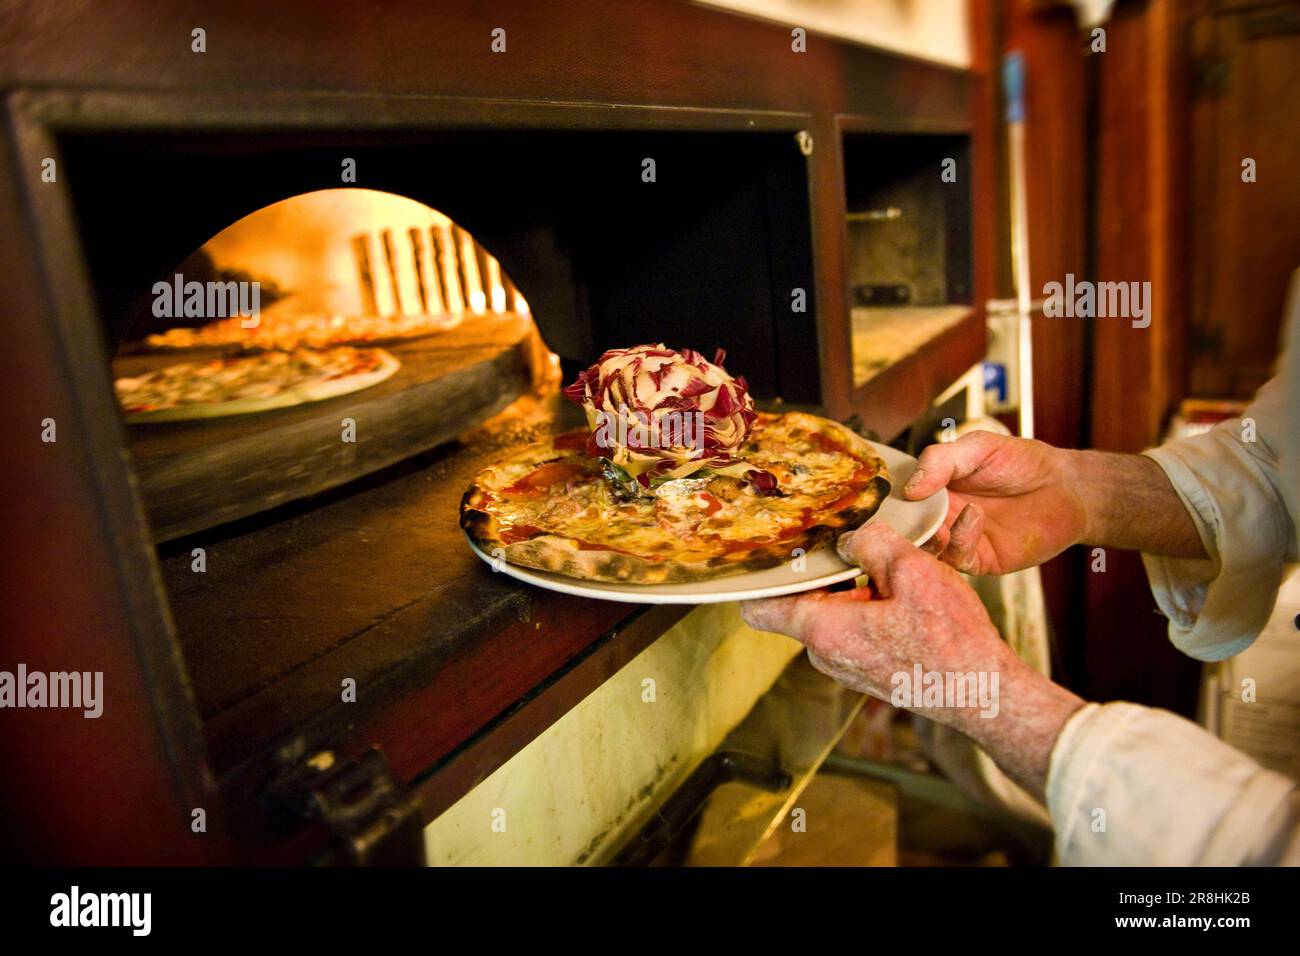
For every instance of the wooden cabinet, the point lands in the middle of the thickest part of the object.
(1244, 210)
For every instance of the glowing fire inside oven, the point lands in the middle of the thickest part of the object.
(362, 252)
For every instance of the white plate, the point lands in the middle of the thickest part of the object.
(914, 520)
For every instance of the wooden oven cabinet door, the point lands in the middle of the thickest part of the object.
(131, 785)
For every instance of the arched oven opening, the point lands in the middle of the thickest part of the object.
(248, 374)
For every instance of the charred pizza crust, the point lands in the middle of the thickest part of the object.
(550, 482)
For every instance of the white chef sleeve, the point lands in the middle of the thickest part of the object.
(1129, 785)
(1229, 481)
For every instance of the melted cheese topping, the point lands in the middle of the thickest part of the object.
(694, 518)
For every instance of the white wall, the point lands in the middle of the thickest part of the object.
(593, 777)
(933, 29)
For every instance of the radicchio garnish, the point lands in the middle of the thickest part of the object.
(763, 482)
(658, 413)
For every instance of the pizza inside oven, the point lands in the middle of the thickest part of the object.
(247, 384)
(640, 505)
(289, 331)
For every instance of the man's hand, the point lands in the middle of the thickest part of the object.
(1012, 503)
(927, 615)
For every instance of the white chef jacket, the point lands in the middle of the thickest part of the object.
(1129, 785)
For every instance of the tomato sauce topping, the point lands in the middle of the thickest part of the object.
(541, 479)
(571, 441)
(519, 532)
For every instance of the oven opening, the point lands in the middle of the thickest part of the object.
(313, 342)
(338, 253)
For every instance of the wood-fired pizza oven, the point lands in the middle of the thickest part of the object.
(684, 181)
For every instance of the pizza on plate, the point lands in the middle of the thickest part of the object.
(251, 383)
(758, 488)
(310, 330)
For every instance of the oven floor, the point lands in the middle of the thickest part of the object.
(374, 582)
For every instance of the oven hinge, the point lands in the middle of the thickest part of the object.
(375, 821)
